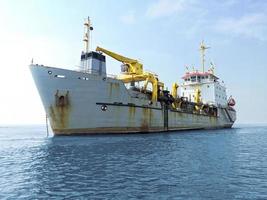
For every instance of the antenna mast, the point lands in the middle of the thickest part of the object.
(87, 29)
(202, 51)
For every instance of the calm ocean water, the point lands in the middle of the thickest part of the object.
(213, 164)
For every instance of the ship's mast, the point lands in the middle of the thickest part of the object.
(202, 52)
(87, 29)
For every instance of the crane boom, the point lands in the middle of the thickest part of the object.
(134, 67)
(134, 72)
(116, 56)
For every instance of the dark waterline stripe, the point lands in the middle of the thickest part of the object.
(153, 108)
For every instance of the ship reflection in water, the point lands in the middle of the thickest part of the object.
(220, 164)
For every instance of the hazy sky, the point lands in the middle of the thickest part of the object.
(163, 34)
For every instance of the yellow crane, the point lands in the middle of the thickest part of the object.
(197, 99)
(174, 91)
(132, 71)
(131, 66)
(197, 96)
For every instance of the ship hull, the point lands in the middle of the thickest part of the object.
(82, 103)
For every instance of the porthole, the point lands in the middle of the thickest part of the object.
(104, 107)
(49, 72)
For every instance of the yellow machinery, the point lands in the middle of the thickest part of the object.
(132, 66)
(174, 90)
(174, 93)
(132, 71)
(197, 96)
(197, 99)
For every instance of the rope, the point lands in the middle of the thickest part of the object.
(46, 122)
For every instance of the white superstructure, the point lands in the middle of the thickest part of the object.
(213, 92)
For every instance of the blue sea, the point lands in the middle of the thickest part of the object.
(203, 164)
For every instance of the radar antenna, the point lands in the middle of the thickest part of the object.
(202, 49)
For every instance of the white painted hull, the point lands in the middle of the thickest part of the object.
(85, 94)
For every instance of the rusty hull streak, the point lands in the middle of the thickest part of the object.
(110, 89)
(60, 112)
(145, 120)
(131, 116)
(213, 120)
(60, 116)
(113, 89)
(123, 130)
(105, 130)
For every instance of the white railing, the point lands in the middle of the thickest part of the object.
(96, 72)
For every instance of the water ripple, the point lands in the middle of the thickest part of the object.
(214, 164)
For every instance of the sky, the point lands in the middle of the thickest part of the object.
(163, 34)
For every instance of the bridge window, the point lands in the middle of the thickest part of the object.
(193, 78)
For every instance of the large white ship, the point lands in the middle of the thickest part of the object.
(88, 101)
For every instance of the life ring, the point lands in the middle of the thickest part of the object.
(231, 102)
